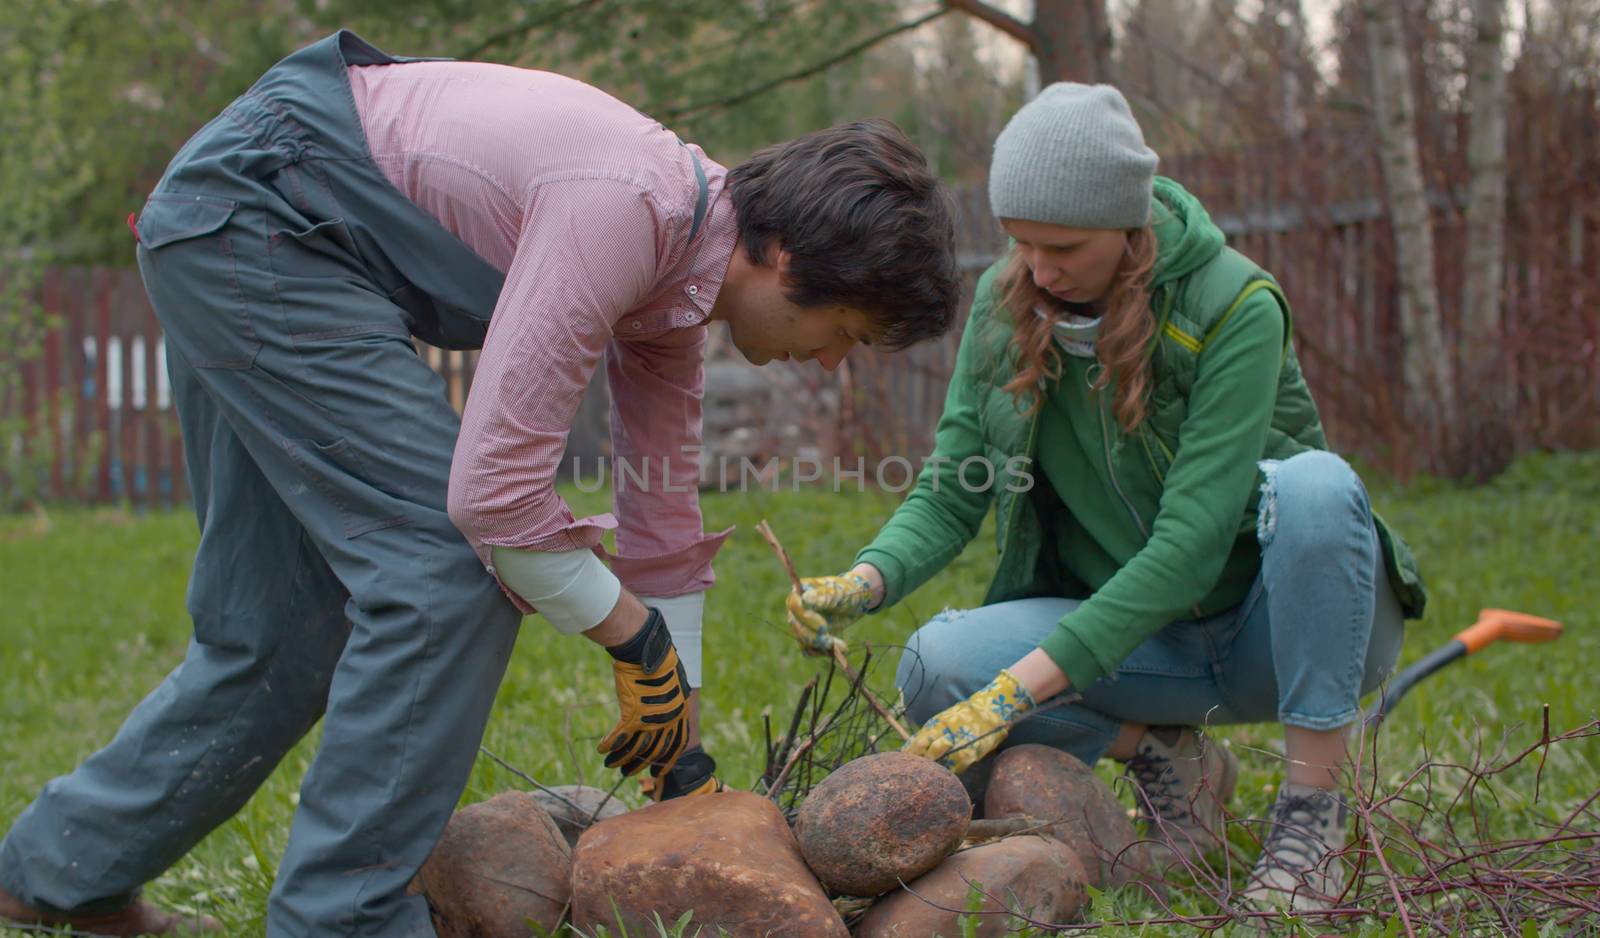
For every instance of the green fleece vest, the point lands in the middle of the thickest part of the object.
(1190, 311)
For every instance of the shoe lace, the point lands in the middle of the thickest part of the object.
(1293, 843)
(1159, 783)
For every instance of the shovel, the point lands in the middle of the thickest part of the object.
(1493, 625)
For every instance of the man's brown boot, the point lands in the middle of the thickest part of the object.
(139, 918)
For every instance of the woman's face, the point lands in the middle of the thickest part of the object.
(1072, 264)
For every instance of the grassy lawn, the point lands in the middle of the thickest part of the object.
(92, 616)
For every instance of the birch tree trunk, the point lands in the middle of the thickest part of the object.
(1428, 372)
(1487, 440)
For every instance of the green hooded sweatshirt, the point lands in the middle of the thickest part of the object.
(1146, 528)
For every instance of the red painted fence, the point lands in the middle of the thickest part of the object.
(96, 422)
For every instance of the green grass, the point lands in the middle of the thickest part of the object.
(92, 617)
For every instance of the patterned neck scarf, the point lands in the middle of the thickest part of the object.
(1075, 333)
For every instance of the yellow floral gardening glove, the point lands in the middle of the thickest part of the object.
(961, 735)
(823, 606)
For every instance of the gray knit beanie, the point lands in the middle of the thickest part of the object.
(1073, 156)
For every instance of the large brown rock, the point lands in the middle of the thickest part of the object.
(881, 820)
(728, 857)
(1037, 877)
(1051, 785)
(573, 806)
(500, 864)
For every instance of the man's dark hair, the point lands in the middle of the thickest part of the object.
(866, 225)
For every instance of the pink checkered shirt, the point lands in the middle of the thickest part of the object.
(587, 206)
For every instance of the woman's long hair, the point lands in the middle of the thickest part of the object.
(1123, 342)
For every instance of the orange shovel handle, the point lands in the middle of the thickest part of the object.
(1493, 625)
(1502, 624)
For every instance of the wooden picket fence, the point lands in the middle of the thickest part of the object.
(95, 421)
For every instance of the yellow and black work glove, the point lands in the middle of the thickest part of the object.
(961, 735)
(695, 774)
(823, 606)
(653, 694)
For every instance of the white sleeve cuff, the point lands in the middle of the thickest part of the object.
(684, 615)
(571, 588)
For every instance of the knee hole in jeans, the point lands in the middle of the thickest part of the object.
(1317, 482)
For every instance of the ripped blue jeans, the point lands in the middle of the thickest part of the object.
(1320, 627)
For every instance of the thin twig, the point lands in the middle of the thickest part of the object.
(1544, 752)
(842, 55)
(872, 699)
(531, 780)
(1394, 888)
(986, 829)
(520, 30)
(765, 530)
(784, 747)
(610, 793)
(811, 740)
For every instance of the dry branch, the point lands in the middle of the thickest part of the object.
(765, 530)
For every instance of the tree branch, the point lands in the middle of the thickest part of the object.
(999, 19)
(847, 53)
(1204, 74)
(521, 29)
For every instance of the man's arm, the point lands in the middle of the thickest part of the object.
(588, 252)
(656, 432)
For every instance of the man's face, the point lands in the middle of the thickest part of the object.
(766, 326)
(1071, 264)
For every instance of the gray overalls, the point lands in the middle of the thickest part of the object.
(290, 277)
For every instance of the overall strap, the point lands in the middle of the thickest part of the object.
(701, 201)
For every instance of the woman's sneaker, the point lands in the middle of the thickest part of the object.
(1183, 781)
(1297, 869)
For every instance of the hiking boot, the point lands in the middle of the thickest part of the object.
(137, 918)
(1296, 870)
(693, 774)
(1183, 781)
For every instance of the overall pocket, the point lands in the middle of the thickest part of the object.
(169, 217)
(315, 270)
(187, 257)
(338, 473)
